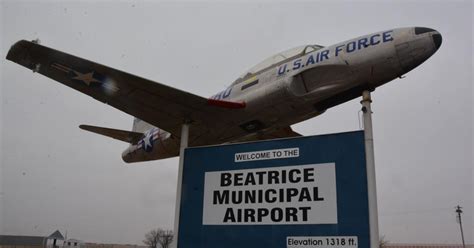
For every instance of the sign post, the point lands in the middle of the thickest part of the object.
(304, 192)
(371, 182)
(183, 145)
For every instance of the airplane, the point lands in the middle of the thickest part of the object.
(263, 103)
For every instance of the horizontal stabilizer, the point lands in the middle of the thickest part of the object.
(126, 136)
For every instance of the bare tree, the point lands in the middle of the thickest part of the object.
(165, 238)
(160, 237)
(151, 239)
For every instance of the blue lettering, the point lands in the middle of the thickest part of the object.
(387, 36)
(324, 55)
(373, 41)
(297, 64)
(351, 46)
(310, 60)
(226, 93)
(338, 49)
(282, 69)
(218, 96)
(362, 43)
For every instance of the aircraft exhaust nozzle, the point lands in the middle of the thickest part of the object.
(126, 156)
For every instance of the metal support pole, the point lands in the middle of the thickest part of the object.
(183, 145)
(370, 166)
(459, 212)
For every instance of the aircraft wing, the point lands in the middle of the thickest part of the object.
(280, 133)
(155, 103)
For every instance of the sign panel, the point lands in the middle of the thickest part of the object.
(293, 193)
(269, 154)
(271, 196)
(315, 242)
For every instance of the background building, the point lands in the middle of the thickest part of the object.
(55, 240)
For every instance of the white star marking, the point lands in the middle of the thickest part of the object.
(87, 78)
(147, 140)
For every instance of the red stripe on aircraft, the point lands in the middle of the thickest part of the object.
(226, 104)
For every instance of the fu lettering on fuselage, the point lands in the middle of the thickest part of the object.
(320, 56)
(222, 94)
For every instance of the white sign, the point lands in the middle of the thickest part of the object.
(322, 242)
(304, 194)
(267, 154)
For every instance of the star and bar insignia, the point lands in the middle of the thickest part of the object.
(87, 78)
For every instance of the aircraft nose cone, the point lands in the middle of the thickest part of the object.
(436, 36)
(418, 47)
(421, 30)
(437, 39)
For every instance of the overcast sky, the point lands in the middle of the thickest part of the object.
(55, 176)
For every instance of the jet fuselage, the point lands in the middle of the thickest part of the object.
(300, 84)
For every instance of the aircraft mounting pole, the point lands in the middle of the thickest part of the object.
(370, 165)
(183, 145)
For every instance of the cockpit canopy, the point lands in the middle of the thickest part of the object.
(278, 58)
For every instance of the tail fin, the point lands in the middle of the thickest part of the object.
(141, 126)
(126, 136)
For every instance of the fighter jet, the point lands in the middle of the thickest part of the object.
(287, 88)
